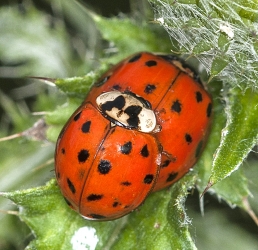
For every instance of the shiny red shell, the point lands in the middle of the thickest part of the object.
(106, 171)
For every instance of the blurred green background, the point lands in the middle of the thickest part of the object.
(59, 43)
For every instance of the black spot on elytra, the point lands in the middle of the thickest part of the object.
(83, 155)
(117, 87)
(126, 183)
(63, 151)
(95, 197)
(176, 106)
(71, 186)
(58, 175)
(77, 116)
(198, 149)
(81, 173)
(171, 177)
(165, 163)
(209, 109)
(151, 63)
(118, 103)
(135, 58)
(149, 88)
(126, 148)
(148, 179)
(145, 151)
(115, 204)
(104, 167)
(198, 96)
(188, 138)
(86, 127)
(96, 216)
(133, 113)
(102, 81)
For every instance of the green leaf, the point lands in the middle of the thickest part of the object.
(161, 223)
(219, 33)
(18, 115)
(23, 45)
(79, 86)
(46, 213)
(129, 36)
(153, 227)
(57, 118)
(239, 136)
(218, 65)
(233, 189)
(204, 164)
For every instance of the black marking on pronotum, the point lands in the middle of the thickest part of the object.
(149, 88)
(83, 155)
(77, 116)
(151, 63)
(148, 179)
(126, 148)
(94, 197)
(143, 101)
(198, 96)
(71, 186)
(176, 106)
(209, 109)
(135, 58)
(104, 167)
(118, 102)
(133, 113)
(145, 151)
(86, 127)
(171, 177)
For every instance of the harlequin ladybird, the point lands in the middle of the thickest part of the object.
(141, 128)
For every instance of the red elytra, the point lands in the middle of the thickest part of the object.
(105, 170)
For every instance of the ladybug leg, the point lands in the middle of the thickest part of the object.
(157, 129)
(167, 158)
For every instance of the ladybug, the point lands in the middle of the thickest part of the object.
(142, 126)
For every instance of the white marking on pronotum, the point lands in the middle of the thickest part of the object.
(147, 119)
